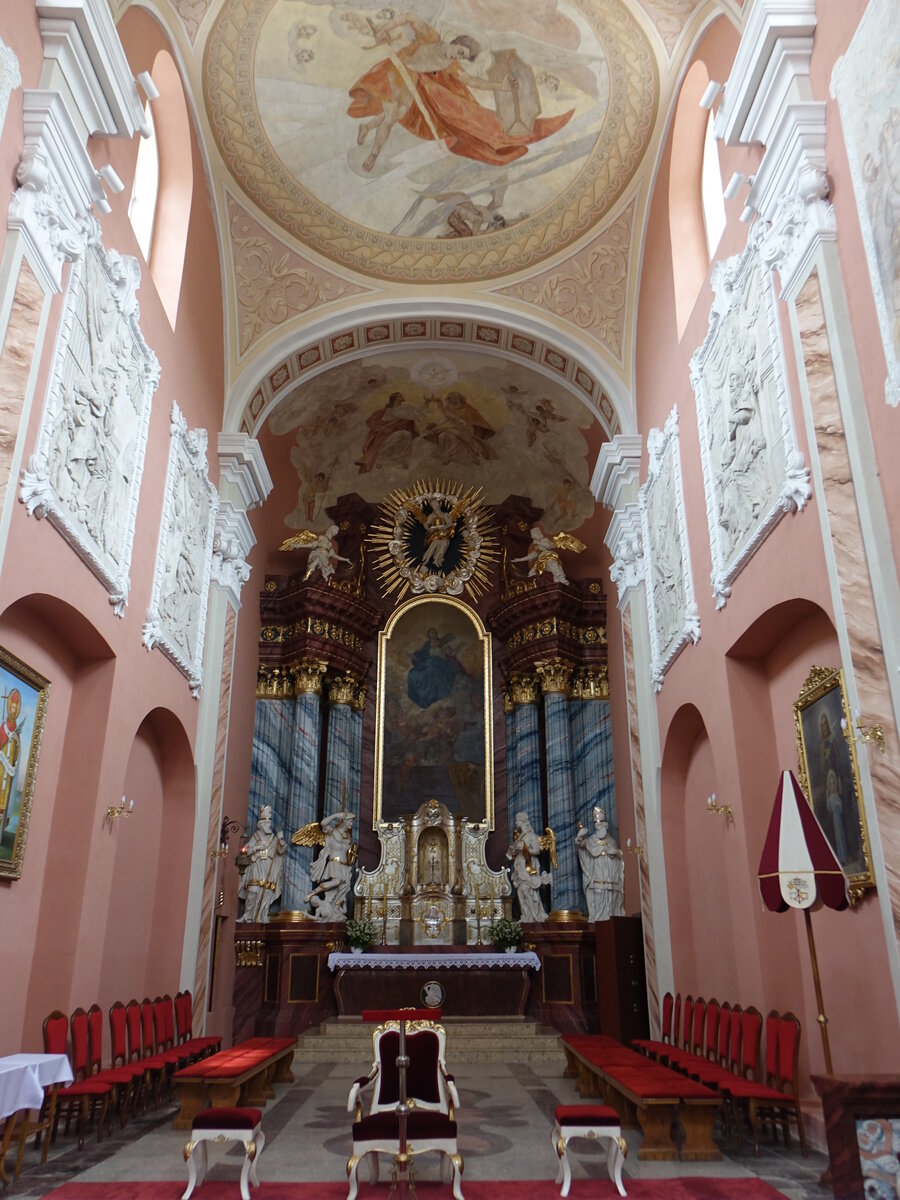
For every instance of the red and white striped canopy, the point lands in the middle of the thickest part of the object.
(798, 868)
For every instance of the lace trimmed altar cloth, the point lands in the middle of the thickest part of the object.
(431, 960)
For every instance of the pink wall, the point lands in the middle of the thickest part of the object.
(120, 719)
(726, 708)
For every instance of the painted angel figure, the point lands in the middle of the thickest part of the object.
(543, 553)
(322, 548)
(526, 875)
(333, 866)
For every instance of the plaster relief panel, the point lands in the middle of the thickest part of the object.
(10, 77)
(672, 610)
(176, 619)
(866, 84)
(753, 472)
(85, 473)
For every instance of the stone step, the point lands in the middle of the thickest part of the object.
(468, 1041)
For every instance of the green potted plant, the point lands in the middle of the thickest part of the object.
(506, 934)
(361, 933)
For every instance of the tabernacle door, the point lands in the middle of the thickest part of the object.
(434, 733)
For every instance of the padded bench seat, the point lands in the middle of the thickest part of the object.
(240, 1076)
(648, 1094)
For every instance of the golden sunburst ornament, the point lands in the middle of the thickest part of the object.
(433, 539)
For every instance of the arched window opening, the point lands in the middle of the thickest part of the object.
(176, 184)
(690, 251)
(144, 193)
(711, 189)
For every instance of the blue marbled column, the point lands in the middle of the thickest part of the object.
(354, 778)
(528, 766)
(567, 889)
(302, 797)
(592, 762)
(338, 758)
(270, 761)
(509, 717)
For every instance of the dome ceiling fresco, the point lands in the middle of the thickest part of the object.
(375, 425)
(446, 140)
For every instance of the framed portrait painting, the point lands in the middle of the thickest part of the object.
(433, 737)
(23, 704)
(829, 775)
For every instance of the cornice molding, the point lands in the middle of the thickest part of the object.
(232, 542)
(242, 463)
(617, 470)
(626, 544)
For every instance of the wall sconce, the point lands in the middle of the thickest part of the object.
(870, 734)
(638, 850)
(227, 827)
(713, 807)
(125, 809)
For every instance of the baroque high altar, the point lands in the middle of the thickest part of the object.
(388, 651)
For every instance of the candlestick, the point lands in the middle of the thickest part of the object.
(477, 914)
(384, 915)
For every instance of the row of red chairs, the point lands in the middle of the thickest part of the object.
(150, 1040)
(719, 1046)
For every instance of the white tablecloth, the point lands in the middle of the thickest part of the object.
(23, 1078)
(431, 959)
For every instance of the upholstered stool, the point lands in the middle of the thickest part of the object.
(224, 1125)
(592, 1121)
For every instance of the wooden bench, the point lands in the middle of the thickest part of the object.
(241, 1077)
(647, 1095)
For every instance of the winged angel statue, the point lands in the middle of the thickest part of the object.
(333, 866)
(543, 553)
(322, 548)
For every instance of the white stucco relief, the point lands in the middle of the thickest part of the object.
(753, 471)
(176, 618)
(672, 610)
(10, 77)
(85, 473)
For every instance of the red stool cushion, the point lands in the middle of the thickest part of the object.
(384, 1126)
(585, 1114)
(227, 1118)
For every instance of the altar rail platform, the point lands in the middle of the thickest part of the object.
(469, 1040)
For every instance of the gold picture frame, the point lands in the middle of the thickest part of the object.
(434, 716)
(23, 707)
(829, 773)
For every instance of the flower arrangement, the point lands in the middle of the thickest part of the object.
(361, 932)
(506, 934)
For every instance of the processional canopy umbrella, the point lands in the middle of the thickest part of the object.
(798, 868)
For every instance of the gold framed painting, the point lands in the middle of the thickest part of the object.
(434, 720)
(829, 773)
(23, 705)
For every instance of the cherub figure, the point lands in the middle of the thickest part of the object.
(322, 548)
(543, 553)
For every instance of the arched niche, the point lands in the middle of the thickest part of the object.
(45, 906)
(143, 937)
(690, 254)
(703, 944)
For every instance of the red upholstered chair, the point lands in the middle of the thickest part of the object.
(778, 1098)
(712, 1030)
(430, 1123)
(120, 1079)
(139, 1019)
(646, 1045)
(693, 1049)
(681, 1039)
(83, 1097)
(199, 1046)
(120, 1056)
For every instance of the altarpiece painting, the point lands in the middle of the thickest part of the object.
(434, 738)
(23, 704)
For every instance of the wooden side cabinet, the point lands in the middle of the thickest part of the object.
(621, 978)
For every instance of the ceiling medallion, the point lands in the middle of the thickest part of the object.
(433, 540)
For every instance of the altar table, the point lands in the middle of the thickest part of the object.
(23, 1078)
(474, 984)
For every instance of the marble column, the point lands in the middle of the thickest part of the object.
(354, 780)
(509, 724)
(270, 761)
(303, 791)
(554, 674)
(528, 796)
(592, 764)
(342, 691)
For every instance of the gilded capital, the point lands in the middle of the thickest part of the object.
(307, 675)
(343, 689)
(590, 683)
(524, 689)
(359, 700)
(509, 705)
(554, 675)
(273, 683)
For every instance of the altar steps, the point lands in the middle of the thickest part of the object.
(469, 1040)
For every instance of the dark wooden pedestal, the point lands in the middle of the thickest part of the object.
(847, 1099)
(468, 991)
(621, 978)
(564, 994)
(282, 984)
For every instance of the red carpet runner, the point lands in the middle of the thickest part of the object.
(582, 1189)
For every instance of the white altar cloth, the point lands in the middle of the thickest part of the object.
(430, 959)
(23, 1078)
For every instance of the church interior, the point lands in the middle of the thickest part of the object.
(483, 604)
